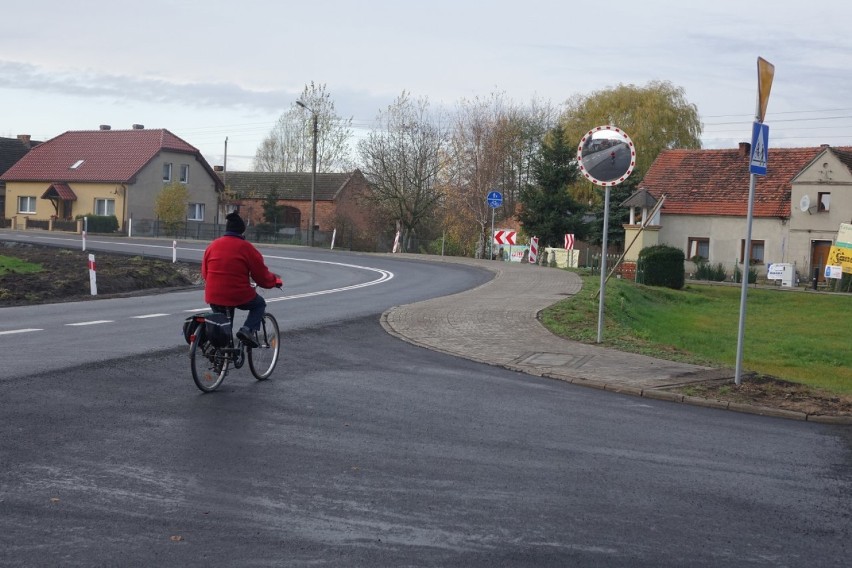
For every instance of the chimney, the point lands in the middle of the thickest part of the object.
(25, 140)
(745, 149)
(138, 127)
(105, 127)
(218, 169)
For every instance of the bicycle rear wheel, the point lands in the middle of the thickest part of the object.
(209, 364)
(262, 360)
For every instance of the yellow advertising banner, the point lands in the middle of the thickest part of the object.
(840, 256)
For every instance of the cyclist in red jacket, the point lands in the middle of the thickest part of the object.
(228, 264)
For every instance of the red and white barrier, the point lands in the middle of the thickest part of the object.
(533, 250)
(93, 284)
(569, 241)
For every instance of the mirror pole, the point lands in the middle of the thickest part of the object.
(603, 264)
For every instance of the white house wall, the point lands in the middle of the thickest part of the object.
(826, 174)
(726, 234)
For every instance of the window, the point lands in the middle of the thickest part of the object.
(184, 173)
(756, 256)
(27, 204)
(77, 164)
(104, 206)
(196, 212)
(698, 246)
(823, 201)
(167, 172)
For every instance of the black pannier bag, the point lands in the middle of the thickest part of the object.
(217, 329)
(190, 325)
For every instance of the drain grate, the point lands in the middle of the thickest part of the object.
(553, 360)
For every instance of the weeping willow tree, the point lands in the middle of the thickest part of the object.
(656, 117)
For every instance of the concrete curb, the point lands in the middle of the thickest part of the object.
(448, 325)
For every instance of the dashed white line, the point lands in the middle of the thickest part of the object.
(149, 316)
(10, 332)
(95, 322)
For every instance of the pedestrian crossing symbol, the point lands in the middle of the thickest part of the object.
(759, 149)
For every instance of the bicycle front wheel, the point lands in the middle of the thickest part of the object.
(209, 364)
(262, 360)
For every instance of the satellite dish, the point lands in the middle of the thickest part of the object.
(804, 203)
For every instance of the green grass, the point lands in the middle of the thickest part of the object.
(793, 335)
(17, 266)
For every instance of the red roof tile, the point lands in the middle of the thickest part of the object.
(716, 182)
(107, 156)
(59, 191)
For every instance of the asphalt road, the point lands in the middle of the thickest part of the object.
(363, 450)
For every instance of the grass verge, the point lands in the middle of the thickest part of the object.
(793, 335)
(9, 264)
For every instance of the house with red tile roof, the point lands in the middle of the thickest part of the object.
(109, 172)
(337, 199)
(12, 150)
(797, 209)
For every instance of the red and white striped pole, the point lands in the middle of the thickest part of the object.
(533, 250)
(93, 284)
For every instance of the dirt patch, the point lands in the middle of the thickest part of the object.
(64, 276)
(772, 392)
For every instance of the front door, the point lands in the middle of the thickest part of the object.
(819, 256)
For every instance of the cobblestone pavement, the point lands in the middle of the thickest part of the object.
(497, 324)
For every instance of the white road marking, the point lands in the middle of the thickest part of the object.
(10, 332)
(95, 322)
(149, 316)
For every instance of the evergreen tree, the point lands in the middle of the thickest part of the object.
(549, 211)
(272, 212)
(618, 215)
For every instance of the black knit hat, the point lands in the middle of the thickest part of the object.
(234, 223)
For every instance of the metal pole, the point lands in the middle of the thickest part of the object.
(603, 264)
(491, 238)
(313, 185)
(744, 288)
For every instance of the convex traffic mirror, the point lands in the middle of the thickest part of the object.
(606, 155)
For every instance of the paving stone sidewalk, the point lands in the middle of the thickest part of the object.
(497, 324)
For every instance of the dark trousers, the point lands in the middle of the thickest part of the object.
(255, 307)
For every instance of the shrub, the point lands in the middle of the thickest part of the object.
(100, 223)
(752, 275)
(714, 273)
(661, 265)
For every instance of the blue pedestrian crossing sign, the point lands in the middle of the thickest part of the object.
(495, 199)
(759, 149)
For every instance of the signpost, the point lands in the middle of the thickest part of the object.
(757, 166)
(495, 200)
(588, 158)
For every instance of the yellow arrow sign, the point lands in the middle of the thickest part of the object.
(765, 73)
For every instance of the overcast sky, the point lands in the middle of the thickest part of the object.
(211, 69)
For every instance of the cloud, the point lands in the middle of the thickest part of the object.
(88, 84)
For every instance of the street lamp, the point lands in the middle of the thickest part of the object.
(313, 175)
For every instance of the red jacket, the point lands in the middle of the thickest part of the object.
(228, 263)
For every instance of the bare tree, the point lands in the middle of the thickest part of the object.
(493, 144)
(289, 145)
(402, 158)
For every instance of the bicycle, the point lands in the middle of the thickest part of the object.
(210, 363)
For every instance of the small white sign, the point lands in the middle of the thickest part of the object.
(835, 272)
